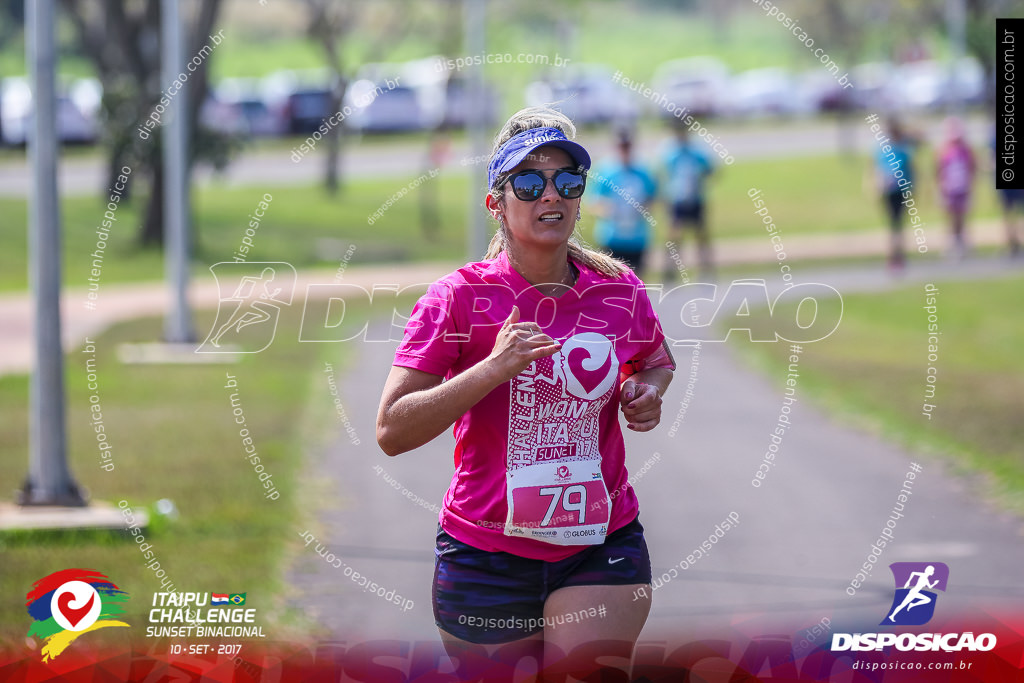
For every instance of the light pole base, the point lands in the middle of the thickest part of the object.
(69, 496)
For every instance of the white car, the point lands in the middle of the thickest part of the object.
(700, 84)
(586, 93)
(73, 126)
(770, 91)
(929, 84)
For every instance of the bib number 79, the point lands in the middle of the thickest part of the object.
(564, 495)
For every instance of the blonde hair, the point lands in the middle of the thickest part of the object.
(544, 117)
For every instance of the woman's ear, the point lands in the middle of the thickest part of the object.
(494, 206)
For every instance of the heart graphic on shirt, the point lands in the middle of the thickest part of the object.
(587, 365)
(588, 379)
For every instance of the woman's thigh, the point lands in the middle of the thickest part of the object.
(574, 636)
(516, 660)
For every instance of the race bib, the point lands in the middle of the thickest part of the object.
(563, 504)
(556, 492)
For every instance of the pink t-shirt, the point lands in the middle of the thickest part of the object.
(560, 413)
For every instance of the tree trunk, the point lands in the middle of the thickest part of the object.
(153, 227)
(332, 172)
(119, 158)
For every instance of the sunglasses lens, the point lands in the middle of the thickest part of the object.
(528, 186)
(569, 185)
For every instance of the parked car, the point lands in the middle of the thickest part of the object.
(930, 84)
(73, 126)
(247, 108)
(822, 93)
(770, 91)
(305, 110)
(458, 104)
(586, 93)
(377, 108)
(700, 84)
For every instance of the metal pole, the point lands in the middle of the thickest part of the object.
(49, 480)
(474, 14)
(178, 326)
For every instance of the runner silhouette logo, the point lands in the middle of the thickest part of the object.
(251, 298)
(914, 601)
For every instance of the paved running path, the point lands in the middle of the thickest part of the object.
(801, 538)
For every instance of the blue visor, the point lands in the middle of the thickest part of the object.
(519, 146)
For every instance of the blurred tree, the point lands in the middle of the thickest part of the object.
(846, 29)
(330, 24)
(121, 38)
(12, 19)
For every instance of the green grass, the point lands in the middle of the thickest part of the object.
(306, 227)
(873, 369)
(174, 436)
(303, 226)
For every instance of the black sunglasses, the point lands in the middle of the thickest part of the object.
(528, 186)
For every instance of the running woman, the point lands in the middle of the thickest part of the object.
(956, 168)
(531, 354)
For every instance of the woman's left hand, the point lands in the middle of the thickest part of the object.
(641, 405)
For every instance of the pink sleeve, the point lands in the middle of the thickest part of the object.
(431, 341)
(646, 322)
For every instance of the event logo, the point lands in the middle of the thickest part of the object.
(258, 290)
(586, 363)
(68, 603)
(914, 603)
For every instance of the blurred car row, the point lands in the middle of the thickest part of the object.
(706, 87)
(417, 95)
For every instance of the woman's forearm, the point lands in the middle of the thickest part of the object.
(420, 416)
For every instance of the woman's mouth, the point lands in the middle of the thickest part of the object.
(550, 217)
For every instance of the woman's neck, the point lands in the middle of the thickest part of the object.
(541, 267)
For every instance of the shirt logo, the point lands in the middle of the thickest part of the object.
(586, 363)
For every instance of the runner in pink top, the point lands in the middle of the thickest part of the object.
(955, 169)
(564, 404)
(531, 355)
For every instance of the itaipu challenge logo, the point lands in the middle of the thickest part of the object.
(70, 603)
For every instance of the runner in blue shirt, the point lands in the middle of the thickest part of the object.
(685, 169)
(623, 192)
(895, 175)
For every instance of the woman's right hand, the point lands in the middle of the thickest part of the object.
(518, 344)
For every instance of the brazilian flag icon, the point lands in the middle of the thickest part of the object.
(237, 598)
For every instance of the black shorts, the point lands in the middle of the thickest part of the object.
(688, 212)
(496, 597)
(894, 208)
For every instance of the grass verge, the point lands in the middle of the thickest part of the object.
(872, 371)
(174, 435)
